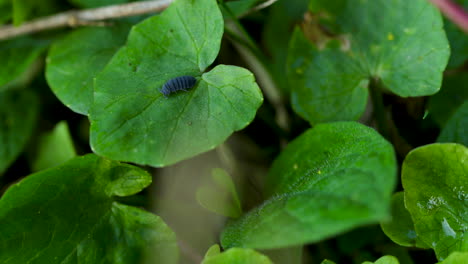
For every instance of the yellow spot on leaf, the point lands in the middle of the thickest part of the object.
(390, 36)
(295, 166)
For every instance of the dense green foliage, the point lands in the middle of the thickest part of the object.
(321, 131)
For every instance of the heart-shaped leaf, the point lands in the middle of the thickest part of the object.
(74, 61)
(132, 121)
(18, 117)
(435, 180)
(68, 214)
(328, 180)
(407, 51)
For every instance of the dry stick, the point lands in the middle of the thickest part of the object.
(84, 17)
(453, 12)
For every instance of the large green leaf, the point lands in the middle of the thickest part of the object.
(132, 121)
(458, 40)
(74, 61)
(54, 148)
(330, 179)
(18, 116)
(401, 227)
(234, 256)
(435, 180)
(68, 214)
(456, 128)
(16, 57)
(407, 51)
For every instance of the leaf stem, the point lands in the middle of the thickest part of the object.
(453, 12)
(379, 113)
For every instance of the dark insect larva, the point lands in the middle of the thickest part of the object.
(177, 84)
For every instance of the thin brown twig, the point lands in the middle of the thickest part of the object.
(84, 17)
(453, 12)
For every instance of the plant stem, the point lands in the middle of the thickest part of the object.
(84, 17)
(379, 113)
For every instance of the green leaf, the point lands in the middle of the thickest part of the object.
(330, 179)
(96, 3)
(407, 51)
(213, 251)
(68, 214)
(401, 227)
(453, 94)
(455, 129)
(17, 56)
(74, 61)
(384, 260)
(326, 261)
(55, 148)
(132, 121)
(458, 40)
(239, 7)
(219, 195)
(5, 11)
(435, 180)
(18, 117)
(456, 258)
(236, 256)
(278, 30)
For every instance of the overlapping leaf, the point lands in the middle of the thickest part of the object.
(435, 180)
(130, 118)
(401, 227)
(407, 51)
(68, 214)
(330, 179)
(456, 128)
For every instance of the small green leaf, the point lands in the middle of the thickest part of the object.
(435, 180)
(458, 40)
(74, 61)
(213, 251)
(55, 148)
(132, 121)
(18, 117)
(401, 228)
(219, 195)
(237, 256)
(455, 129)
(453, 94)
(17, 56)
(68, 214)
(407, 51)
(326, 261)
(328, 180)
(456, 258)
(384, 260)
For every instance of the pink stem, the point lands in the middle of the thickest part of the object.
(453, 12)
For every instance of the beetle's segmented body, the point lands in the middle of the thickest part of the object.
(181, 83)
